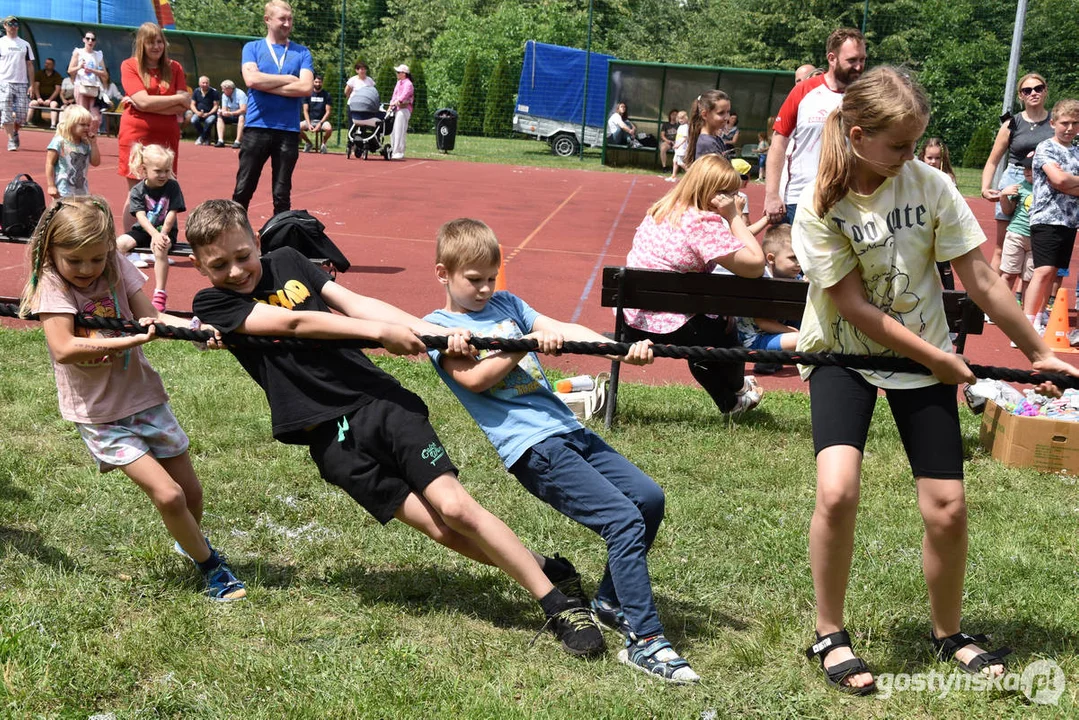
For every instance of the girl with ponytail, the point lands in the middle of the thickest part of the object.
(867, 238)
(707, 121)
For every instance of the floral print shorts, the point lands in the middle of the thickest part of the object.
(115, 444)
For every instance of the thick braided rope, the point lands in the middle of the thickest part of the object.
(438, 342)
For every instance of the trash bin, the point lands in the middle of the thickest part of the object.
(445, 129)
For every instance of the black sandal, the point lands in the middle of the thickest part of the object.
(947, 648)
(840, 672)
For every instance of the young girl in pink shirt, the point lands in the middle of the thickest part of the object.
(105, 385)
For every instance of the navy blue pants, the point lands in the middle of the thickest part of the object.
(585, 479)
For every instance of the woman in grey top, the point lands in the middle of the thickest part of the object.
(1018, 136)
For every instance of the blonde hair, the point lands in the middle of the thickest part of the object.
(706, 178)
(214, 218)
(141, 154)
(776, 238)
(71, 116)
(1029, 76)
(876, 101)
(704, 103)
(146, 32)
(275, 4)
(70, 224)
(466, 242)
(1066, 107)
(945, 158)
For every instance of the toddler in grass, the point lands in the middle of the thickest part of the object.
(104, 383)
(543, 445)
(366, 433)
(71, 153)
(154, 201)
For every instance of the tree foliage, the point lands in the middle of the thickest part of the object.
(470, 105)
(958, 48)
(421, 111)
(498, 114)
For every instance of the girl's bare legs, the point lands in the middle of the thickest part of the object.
(831, 543)
(169, 495)
(944, 558)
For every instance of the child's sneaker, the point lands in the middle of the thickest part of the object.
(161, 297)
(222, 585)
(656, 657)
(610, 616)
(12, 144)
(577, 630)
(748, 397)
(564, 576)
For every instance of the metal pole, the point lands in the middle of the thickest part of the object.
(587, 65)
(865, 15)
(1013, 71)
(341, 76)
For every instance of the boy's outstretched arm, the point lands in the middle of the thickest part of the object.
(362, 307)
(478, 375)
(271, 320)
(544, 325)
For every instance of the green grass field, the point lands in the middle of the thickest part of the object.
(348, 619)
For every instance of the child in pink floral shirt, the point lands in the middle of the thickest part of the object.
(691, 229)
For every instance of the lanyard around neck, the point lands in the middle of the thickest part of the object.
(279, 63)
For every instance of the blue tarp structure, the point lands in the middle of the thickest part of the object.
(131, 13)
(552, 83)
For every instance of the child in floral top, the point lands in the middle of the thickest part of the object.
(691, 229)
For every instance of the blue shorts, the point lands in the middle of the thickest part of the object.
(122, 442)
(1012, 175)
(767, 341)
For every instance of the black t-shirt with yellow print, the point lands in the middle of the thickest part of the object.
(304, 387)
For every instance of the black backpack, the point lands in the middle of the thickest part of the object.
(24, 204)
(300, 230)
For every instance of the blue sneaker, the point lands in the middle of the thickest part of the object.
(610, 616)
(223, 586)
(657, 658)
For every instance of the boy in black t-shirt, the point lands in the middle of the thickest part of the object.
(316, 118)
(366, 433)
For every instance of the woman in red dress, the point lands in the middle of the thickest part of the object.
(155, 99)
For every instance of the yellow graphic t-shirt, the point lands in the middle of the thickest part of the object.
(893, 238)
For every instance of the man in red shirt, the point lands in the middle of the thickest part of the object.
(800, 122)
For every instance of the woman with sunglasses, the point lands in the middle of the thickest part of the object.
(1018, 136)
(88, 64)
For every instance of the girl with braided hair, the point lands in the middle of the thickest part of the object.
(104, 383)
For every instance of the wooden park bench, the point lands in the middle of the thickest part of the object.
(733, 296)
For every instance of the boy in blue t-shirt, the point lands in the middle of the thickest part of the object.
(543, 445)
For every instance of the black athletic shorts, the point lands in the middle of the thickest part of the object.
(142, 238)
(1052, 245)
(841, 405)
(380, 453)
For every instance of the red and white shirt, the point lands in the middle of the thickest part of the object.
(801, 118)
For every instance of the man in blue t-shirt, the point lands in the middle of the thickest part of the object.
(316, 118)
(279, 74)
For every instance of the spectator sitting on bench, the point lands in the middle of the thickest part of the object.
(67, 92)
(695, 226)
(764, 333)
(46, 93)
(620, 131)
(232, 112)
(204, 104)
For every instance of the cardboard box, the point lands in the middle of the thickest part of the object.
(1042, 443)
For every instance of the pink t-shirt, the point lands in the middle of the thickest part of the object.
(801, 118)
(111, 387)
(693, 245)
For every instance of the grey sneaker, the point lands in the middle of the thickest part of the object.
(307, 147)
(12, 144)
(748, 398)
(323, 150)
(610, 616)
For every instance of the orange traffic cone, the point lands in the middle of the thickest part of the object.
(1056, 332)
(500, 281)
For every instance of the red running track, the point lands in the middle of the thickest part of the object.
(558, 228)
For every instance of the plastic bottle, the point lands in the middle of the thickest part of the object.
(575, 384)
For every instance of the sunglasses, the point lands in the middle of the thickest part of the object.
(1031, 90)
(12, 23)
(90, 39)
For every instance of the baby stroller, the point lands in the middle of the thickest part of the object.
(370, 124)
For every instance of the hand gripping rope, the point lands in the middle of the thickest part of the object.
(438, 342)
